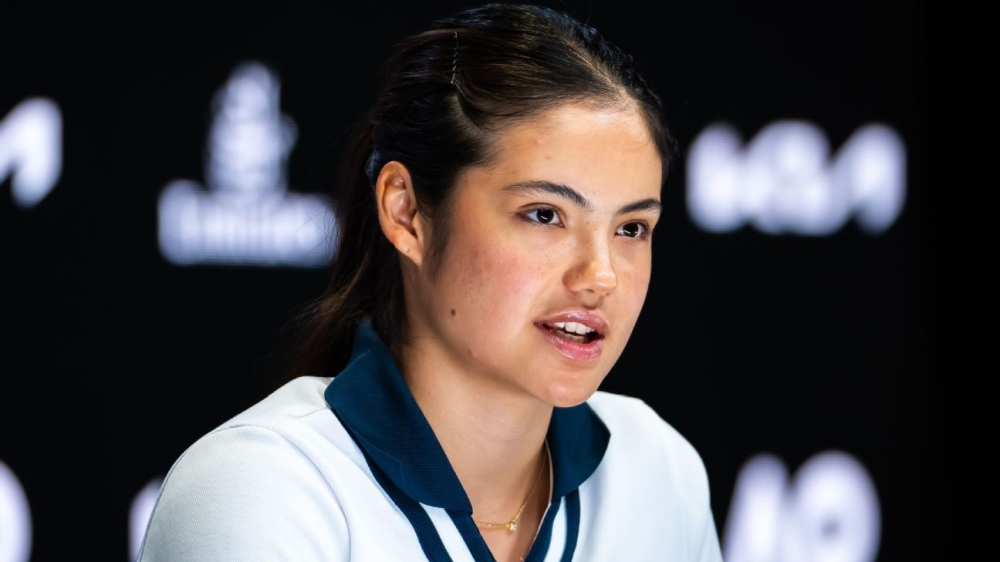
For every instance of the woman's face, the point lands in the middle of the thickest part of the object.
(547, 260)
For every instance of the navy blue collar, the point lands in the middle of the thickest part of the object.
(373, 402)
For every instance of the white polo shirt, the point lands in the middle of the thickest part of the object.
(348, 469)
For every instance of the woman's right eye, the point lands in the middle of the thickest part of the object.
(543, 216)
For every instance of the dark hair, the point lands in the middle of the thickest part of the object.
(446, 93)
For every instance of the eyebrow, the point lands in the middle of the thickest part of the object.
(574, 196)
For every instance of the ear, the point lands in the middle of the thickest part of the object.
(401, 222)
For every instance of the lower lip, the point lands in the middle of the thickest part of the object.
(585, 352)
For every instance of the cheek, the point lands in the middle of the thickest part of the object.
(497, 280)
(634, 282)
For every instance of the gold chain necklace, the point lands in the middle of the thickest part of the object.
(512, 524)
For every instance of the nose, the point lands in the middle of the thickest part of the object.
(593, 274)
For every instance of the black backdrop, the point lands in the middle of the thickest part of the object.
(115, 360)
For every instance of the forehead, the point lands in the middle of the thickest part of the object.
(604, 152)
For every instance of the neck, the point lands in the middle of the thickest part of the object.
(493, 436)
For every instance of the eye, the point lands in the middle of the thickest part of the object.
(636, 230)
(543, 215)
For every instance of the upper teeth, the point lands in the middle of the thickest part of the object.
(574, 327)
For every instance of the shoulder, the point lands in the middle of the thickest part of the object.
(634, 422)
(295, 399)
(641, 437)
(275, 430)
(653, 483)
(246, 482)
(278, 428)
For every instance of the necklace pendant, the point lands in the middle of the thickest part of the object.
(511, 526)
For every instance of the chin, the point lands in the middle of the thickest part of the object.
(569, 395)
(569, 403)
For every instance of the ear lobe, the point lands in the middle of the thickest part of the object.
(398, 215)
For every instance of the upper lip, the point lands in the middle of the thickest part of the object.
(591, 320)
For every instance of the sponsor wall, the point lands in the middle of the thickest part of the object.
(168, 177)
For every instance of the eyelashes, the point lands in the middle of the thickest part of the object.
(635, 230)
(549, 216)
(544, 216)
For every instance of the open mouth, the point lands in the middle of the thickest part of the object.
(573, 331)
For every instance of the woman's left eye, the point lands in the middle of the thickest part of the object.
(543, 216)
(635, 230)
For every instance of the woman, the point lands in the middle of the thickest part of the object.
(494, 255)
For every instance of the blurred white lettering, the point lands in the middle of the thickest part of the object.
(247, 216)
(828, 513)
(138, 515)
(31, 150)
(15, 518)
(785, 182)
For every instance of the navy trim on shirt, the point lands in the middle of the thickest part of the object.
(473, 539)
(541, 545)
(427, 535)
(572, 524)
(372, 401)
